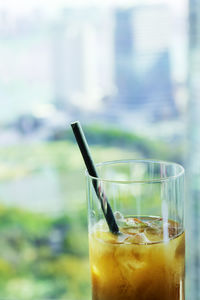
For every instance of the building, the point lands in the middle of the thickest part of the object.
(142, 61)
(82, 48)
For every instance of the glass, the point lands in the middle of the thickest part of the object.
(146, 260)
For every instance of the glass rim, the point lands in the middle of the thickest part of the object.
(157, 180)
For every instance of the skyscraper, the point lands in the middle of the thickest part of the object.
(83, 58)
(142, 57)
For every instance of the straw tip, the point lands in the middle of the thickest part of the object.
(75, 123)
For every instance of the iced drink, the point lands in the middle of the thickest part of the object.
(146, 261)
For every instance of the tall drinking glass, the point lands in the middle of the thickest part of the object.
(146, 260)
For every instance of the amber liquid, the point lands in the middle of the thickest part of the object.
(143, 263)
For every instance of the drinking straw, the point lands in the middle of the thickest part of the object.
(84, 148)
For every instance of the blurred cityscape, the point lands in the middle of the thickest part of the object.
(113, 65)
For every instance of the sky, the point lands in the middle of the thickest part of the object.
(23, 7)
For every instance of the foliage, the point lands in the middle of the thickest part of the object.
(113, 136)
(44, 254)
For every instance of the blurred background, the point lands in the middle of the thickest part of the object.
(130, 72)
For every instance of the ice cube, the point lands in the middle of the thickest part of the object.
(101, 225)
(130, 222)
(121, 221)
(122, 237)
(138, 238)
(106, 237)
(154, 234)
(155, 223)
(131, 230)
(118, 215)
(170, 227)
(160, 229)
(132, 226)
